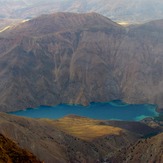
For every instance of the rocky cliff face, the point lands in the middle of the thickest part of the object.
(80, 58)
(142, 80)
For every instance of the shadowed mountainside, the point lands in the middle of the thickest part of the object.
(80, 58)
(72, 139)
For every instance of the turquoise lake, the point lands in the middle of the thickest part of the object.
(114, 110)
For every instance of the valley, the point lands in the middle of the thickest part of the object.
(64, 64)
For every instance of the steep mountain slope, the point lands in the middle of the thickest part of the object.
(61, 140)
(144, 63)
(119, 10)
(11, 153)
(45, 60)
(80, 58)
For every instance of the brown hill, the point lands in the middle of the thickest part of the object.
(79, 58)
(71, 139)
(12, 153)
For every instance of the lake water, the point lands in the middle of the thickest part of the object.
(114, 110)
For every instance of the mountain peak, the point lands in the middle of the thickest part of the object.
(63, 21)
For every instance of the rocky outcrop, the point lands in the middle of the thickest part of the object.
(80, 58)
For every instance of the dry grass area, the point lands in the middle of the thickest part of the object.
(83, 128)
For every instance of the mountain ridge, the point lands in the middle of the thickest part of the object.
(79, 58)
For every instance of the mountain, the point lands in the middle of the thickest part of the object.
(77, 59)
(12, 153)
(129, 11)
(73, 139)
(46, 59)
(80, 58)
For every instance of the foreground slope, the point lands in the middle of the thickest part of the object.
(80, 58)
(12, 153)
(61, 140)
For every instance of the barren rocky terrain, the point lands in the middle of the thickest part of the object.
(80, 58)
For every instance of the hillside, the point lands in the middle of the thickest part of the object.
(151, 151)
(61, 140)
(77, 59)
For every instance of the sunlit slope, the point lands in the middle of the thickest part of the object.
(2, 30)
(6, 23)
(86, 129)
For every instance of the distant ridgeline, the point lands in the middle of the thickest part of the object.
(130, 11)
